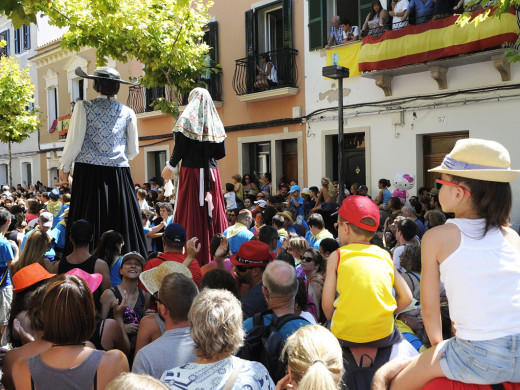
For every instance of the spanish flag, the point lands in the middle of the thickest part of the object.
(436, 39)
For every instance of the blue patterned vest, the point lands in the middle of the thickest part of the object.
(105, 137)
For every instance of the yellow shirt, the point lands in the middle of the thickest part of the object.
(365, 305)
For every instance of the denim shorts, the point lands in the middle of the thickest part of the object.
(481, 362)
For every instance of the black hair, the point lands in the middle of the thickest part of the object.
(408, 228)
(221, 280)
(286, 258)
(346, 22)
(267, 234)
(266, 57)
(316, 220)
(278, 221)
(81, 232)
(268, 213)
(491, 200)
(230, 187)
(215, 243)
(329, 245)
(106, 86)
(385, 182)
(268, 175)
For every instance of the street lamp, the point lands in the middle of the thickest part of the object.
(339, 73)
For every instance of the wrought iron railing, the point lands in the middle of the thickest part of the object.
(246, 71)
(142, 99)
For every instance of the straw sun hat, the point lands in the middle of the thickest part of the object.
(152, 278)
(478, 159)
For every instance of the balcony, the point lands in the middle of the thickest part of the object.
(284, 61)
(142, 99)
(434, 46)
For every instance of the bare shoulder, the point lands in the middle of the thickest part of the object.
(512, 237)
(149, 322)
(114, 357)
(440, 241)
(101, 265)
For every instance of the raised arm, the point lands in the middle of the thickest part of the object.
(329, 288)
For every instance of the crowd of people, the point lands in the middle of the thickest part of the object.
(402, 12)
(299, 292)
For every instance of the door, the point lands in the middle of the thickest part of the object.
(290, 160)
(435, 147)
(354, 163)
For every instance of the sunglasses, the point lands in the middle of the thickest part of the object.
(155, 297)
(336, 225)
(241, 268)
(449, 183)
(307, 259)
(413, 315)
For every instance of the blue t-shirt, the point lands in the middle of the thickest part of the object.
(423, 10)
(421, 228)
(237, 240)
(6, 255)
(300, 208)
(386, 196)
(115, 279)
(285, 331)
(59, 235)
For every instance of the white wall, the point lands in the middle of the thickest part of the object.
(399, 148)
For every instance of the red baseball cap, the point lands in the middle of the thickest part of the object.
(253, 254)
(356, 207)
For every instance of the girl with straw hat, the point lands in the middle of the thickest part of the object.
(477, 257)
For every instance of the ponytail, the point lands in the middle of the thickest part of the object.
(318, 376)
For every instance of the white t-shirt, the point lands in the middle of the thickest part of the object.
(400, 7)
(231, 200)
(351, 34)
(403, 349)
(396, 255)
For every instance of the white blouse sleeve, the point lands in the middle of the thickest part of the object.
(75, 137)
(132, 137)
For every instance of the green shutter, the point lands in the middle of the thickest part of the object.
(213, 42)
(287, 24)
(251, 36)
(364, 10)
(317, 24)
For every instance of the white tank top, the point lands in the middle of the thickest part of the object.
(482, 280)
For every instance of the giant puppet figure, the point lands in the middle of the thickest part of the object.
(199, 143)
(102, 138)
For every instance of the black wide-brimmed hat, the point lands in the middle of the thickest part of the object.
(103, 73)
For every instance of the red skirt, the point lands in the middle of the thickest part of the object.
(195, 218)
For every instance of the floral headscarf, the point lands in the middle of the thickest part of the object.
(200, 120)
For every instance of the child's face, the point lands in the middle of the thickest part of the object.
(164, 213)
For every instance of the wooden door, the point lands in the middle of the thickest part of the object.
(290, 160)
(435, 147)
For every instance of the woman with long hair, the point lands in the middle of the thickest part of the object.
(34, 251)
(376, 21)
(109, 249)
(68, 322)
(315, 360)
(313, 264)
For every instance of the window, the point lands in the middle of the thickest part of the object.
(269, 28)
(22, 39)
(78, 89)
(257, 158)
(4, 36)
(27, 172)
(156, 161)
(52, 107)
(322, 11)
(4, 178)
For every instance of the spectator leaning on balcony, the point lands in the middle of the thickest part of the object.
(399, 8)
(423, 10)
(267, 77)
(443, 8)
(335, 34)
(376, 21)
(350, 32)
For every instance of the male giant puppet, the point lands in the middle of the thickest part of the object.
(199, 143)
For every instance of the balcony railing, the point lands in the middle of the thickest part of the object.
(142, 99)
(246, 71)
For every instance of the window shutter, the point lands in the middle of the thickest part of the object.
(287, 24)
(17, 46)
(4, 36)
(251, 38)
(317, 24)
(364, 10)
(27, 37)
(213, 42)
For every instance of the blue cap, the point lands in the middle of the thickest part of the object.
(175, 232)
(55, 194)
(294, 188)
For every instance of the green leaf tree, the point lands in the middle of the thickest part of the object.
(18, 116)
(164, 35)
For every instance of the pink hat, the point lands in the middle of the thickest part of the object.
(93, 280)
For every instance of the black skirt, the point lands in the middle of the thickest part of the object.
(106, 197)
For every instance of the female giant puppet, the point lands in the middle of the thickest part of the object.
(199, 143)
(102, 138)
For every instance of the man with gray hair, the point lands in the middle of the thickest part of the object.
(239, 232)
(280, 286)
(335, 33)
(409, 212)
(175, 347)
